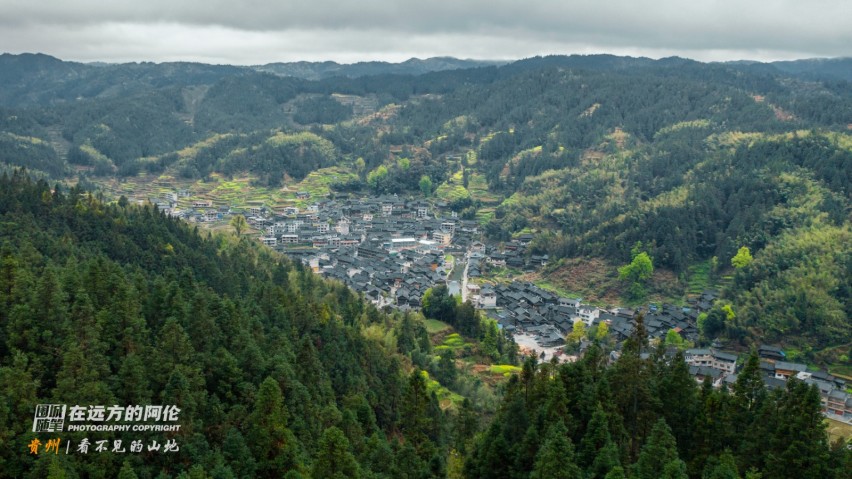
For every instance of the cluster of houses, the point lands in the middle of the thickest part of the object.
(398, 280)
(530, 309)
(387, 224)
(393, 250)
(200, 210)
(721, 368)
(776, 371)
(386, 247)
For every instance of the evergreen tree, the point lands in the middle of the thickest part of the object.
(334, 460)
(596, 438)
(272, 442)
(724, 467)
(798, 445)
(633, 397)
(657, 454)
(126, 471)
(555, 459)
(616, 473)
(417, 417)
(678, 396)
(608, 458)
(237, 454)
(675, 470)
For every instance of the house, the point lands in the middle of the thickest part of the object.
(784, 370)
(342, 226)
(398, 244)
(269, 240)
(302, 195)
(442, 237)
(487, 298)
(698, 356)
(700, 373)
(497, 259)
(724, 361)
(588, 314)
(525, 238)
(573, 302)
(773, 353)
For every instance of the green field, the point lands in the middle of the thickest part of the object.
(844, 370)
(505, 369)
(434, 326)
(837, 430)
(478, 187)
(699, 278)
(317, 183)
(452, 342)
(549, 286)
(238, 191)
(446, 398)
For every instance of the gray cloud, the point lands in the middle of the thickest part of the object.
(258, 31)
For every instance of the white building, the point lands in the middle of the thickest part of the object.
(442, 237)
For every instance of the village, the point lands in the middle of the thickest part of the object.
(392, 250)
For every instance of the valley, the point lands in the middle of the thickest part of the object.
(440, 268)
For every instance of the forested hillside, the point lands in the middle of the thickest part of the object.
(593, 155)
(647, 419)
(280, 374)
(108, 304)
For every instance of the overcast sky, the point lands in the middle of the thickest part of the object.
(264, 31)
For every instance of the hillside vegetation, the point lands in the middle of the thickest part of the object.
(595, 155)
(272, 368)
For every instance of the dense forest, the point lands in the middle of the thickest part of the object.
(115, 304)
(644, 417)
(281, 374)
(592, 154)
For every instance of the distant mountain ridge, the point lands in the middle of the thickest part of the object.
(38, 79)
(412, 66)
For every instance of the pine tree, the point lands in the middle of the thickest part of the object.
(606, 460)
(748, 388)
(678, 397)
(417, 419)
(334, 460)
(633, 397)
(555, 459)
(596, 438)
(798, 445)
(272, 443)
(616, 473)
(724, 467)
(657, 454)
(237, 454)
(127, 471)
(675, 470)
